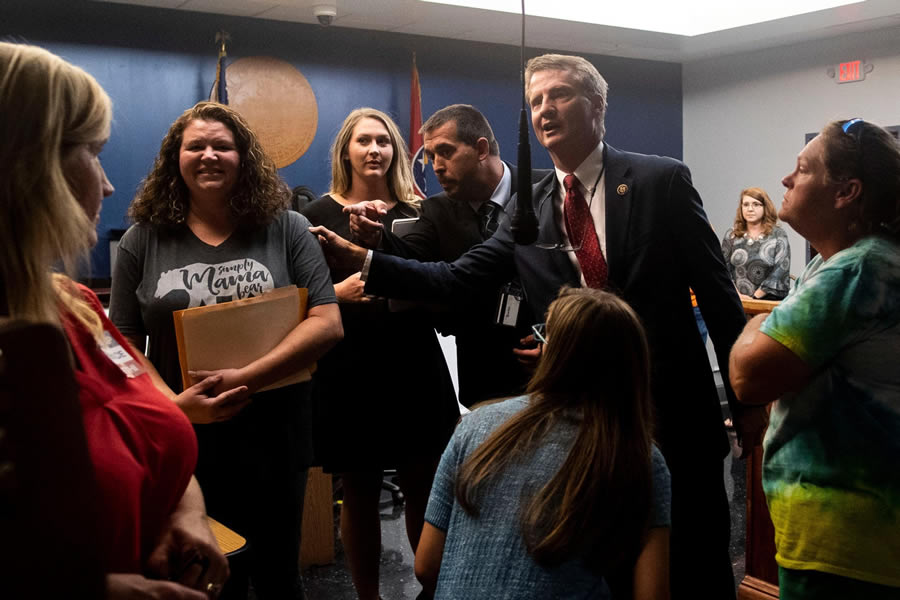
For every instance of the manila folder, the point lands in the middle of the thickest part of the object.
(233, 334)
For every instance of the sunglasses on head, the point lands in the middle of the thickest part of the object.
(854, 128)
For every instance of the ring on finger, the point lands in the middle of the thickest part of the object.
(213, 589)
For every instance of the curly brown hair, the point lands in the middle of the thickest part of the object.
(259, 194)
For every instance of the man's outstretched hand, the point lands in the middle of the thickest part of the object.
(365, 221)
(339, 253)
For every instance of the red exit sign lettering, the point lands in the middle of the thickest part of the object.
(850, 71)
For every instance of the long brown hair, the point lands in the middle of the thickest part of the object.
(596, 368)
(770, 215)
(259, 194)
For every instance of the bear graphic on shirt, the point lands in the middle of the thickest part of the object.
(213, 283)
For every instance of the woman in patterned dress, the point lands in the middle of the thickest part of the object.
(756, 249)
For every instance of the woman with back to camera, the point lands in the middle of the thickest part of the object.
(56, 120)
(757, 251)
(211, 225)
(828, 354)
(542, 495)
(385, 399)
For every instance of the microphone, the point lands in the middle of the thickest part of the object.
(524, 224)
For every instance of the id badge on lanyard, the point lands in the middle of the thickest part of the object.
(120, 356)
(511, 297)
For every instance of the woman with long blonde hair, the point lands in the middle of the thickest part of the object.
(385, 398)
(56, 120)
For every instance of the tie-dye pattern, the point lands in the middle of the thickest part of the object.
(831, 468)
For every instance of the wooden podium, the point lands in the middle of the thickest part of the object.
(317, 543)
(761, 579)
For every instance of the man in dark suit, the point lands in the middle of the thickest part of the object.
(460, 145)
(634, 224)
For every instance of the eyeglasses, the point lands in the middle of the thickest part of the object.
(568, 246)
(540, 332)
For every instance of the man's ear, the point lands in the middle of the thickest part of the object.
(848, 192)
(483, 148)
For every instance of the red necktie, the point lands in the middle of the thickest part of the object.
(580, 228)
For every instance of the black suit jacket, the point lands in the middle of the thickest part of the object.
(658, 245)
(446, 229)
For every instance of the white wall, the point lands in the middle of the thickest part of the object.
(745, 115)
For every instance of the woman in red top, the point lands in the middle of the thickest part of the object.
(56, 119)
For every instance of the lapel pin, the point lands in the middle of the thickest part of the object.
(622, 189)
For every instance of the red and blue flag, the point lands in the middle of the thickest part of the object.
(418, 160)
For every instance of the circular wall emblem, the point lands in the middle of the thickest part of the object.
(277, 102)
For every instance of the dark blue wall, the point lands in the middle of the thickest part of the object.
(156, 63)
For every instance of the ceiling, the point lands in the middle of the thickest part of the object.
(439, 20)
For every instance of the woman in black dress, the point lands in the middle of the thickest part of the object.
(385, 399)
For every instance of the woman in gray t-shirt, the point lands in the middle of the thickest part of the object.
(211, 226)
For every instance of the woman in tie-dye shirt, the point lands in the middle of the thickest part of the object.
(828, 354)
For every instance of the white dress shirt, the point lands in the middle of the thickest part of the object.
(501, 193)
(592, 180)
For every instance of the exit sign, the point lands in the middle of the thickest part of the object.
(850, 71)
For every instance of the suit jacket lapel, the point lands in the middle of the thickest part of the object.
(550, 230)
(618, 211)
